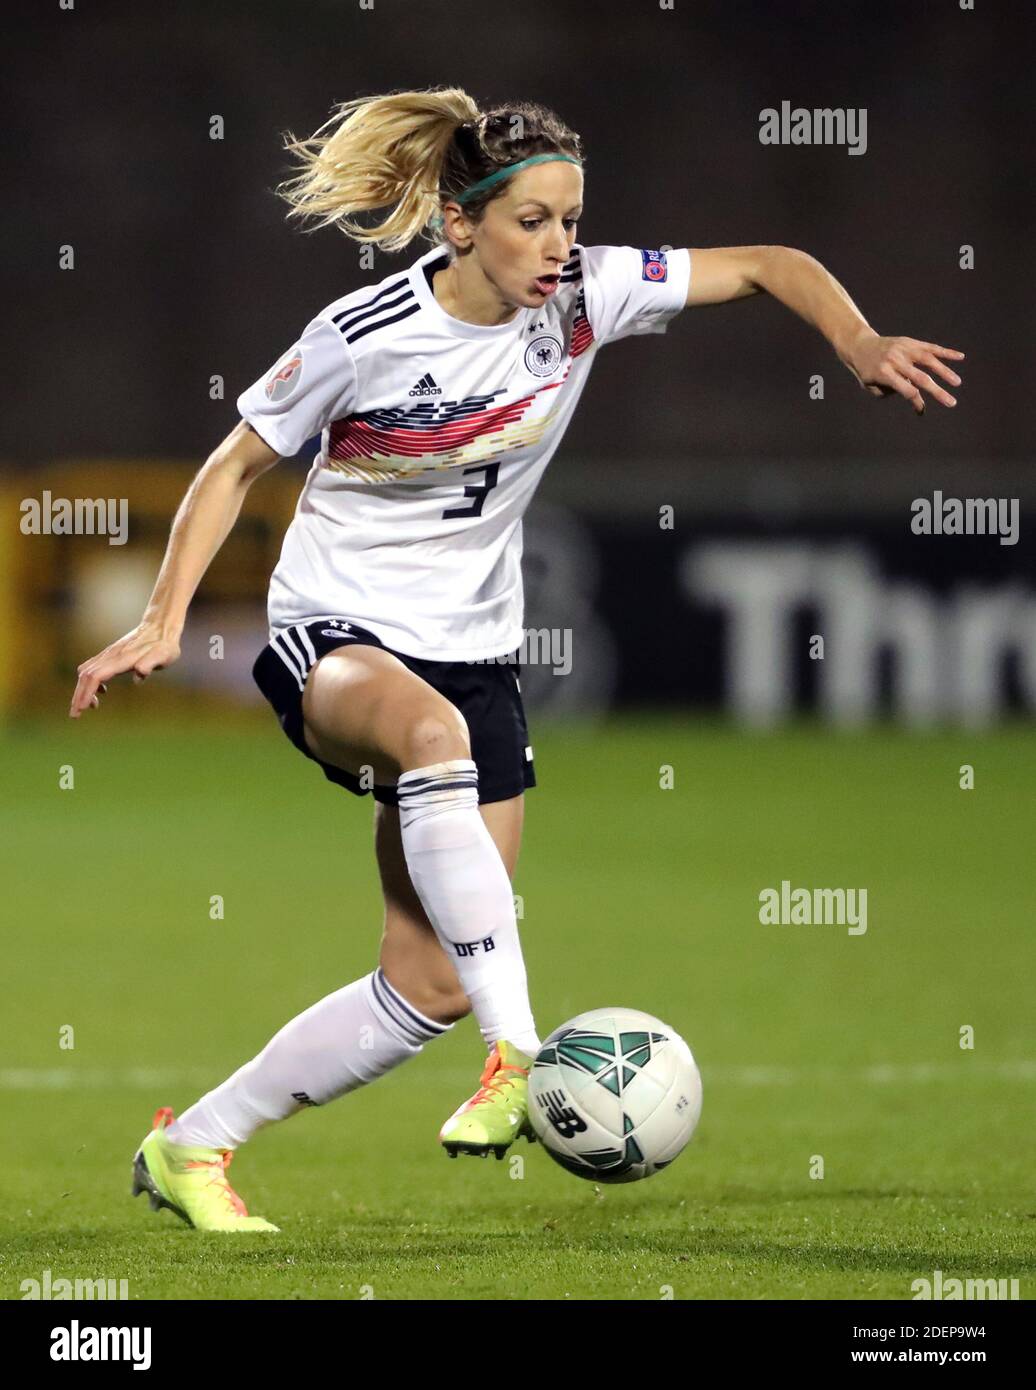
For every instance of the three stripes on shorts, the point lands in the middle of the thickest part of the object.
(296, 651)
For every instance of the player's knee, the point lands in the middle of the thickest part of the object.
(434, 736)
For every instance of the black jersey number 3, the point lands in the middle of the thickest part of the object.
(478, 492)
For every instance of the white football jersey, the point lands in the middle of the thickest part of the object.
(434, 436)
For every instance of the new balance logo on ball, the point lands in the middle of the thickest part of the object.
(562, 1117)
(426, 387)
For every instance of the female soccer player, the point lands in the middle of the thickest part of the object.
(440, 395)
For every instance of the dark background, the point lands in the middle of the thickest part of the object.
(186, 267)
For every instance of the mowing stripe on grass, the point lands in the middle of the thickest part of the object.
(882, 1074)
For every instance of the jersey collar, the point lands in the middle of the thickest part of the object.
(419, 279)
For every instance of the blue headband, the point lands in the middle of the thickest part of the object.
(498, 174)
(506, 172)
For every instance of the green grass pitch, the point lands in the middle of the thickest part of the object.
(811, 1041)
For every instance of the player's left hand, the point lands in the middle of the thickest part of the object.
(887, 366)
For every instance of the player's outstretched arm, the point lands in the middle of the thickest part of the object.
(882, 366)
(202, 523)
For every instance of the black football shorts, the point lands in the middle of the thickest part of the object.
(487, 694)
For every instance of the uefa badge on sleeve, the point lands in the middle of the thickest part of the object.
(285, 377)
(655, 266)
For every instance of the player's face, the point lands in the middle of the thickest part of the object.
(526, 235)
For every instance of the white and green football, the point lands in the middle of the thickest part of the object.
(614, 1095)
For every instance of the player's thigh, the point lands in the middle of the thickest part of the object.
(363, 708)
(411, 956)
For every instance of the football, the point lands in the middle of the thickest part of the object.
(614, 1095)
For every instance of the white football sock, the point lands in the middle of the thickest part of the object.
(339, 1044)
(464, 888)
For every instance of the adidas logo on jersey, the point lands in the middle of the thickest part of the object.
(426, 387)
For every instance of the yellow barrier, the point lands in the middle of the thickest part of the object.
(64, 597)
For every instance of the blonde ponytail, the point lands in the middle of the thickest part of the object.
(378, 152)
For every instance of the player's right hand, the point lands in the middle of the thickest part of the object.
(145, 649)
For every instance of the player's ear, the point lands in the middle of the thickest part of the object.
(456, 226)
